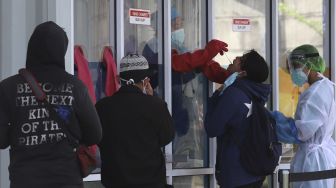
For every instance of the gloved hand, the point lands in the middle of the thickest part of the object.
(174, 52)
(216, 46)
(285, 128)
(214, 72)
(202, 60)
(279, 117)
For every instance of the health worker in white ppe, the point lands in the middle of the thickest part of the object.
(313, 125)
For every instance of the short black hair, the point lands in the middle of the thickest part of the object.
(255, 66)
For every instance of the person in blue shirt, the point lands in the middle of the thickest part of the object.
(228, 115)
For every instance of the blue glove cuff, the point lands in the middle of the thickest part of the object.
(294, 130)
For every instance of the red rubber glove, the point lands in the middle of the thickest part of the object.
(189, 61)
(214, 72)
(216, 46)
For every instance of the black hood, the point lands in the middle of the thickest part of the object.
(47, 46)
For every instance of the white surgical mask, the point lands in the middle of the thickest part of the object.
(144, 87)
(229, 81)
(128, 82)
(178, 36)
(299, 77)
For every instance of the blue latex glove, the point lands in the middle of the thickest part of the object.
(279, 117)
(285, 128)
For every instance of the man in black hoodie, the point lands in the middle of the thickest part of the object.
(40, 154)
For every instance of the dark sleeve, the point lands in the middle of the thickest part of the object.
(4, 121)
(212, 103)
(221, 109)
(165, 123)
(87, 116)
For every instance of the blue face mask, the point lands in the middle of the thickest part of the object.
(229, 81)
(178, 36)
(299, 77)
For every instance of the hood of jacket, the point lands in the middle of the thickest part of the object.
(47, 46)
(259, 91)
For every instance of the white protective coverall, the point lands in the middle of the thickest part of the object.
(315, 119)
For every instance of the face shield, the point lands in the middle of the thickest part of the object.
(299, 60)
(296, 63)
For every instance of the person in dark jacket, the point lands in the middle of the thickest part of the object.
(136, 126)
(40, 154)
(230, 124)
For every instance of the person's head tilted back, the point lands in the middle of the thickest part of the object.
(255, 66)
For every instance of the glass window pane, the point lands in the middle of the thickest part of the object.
(92, 27)
(18, 20)
(91, 32)
(241, 24)
(189, 90)
(300, 22)
(143, 38)
(191, 182)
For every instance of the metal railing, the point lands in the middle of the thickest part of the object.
(285, 178)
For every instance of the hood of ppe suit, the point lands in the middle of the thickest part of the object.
(47, 46)
(315, 63)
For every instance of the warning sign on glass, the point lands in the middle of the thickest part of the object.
(241, 24)
(139, 16)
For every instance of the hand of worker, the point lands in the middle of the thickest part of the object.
(216, 46)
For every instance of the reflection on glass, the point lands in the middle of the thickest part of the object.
(91, 32)
(299, 23)
(92, 22)
(190, 146)
(191, 182)
(143, 39)
(240, 40)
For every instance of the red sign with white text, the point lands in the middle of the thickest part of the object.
(139, 16)
(241, 24)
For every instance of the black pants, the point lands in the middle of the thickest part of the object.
(256, 184)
